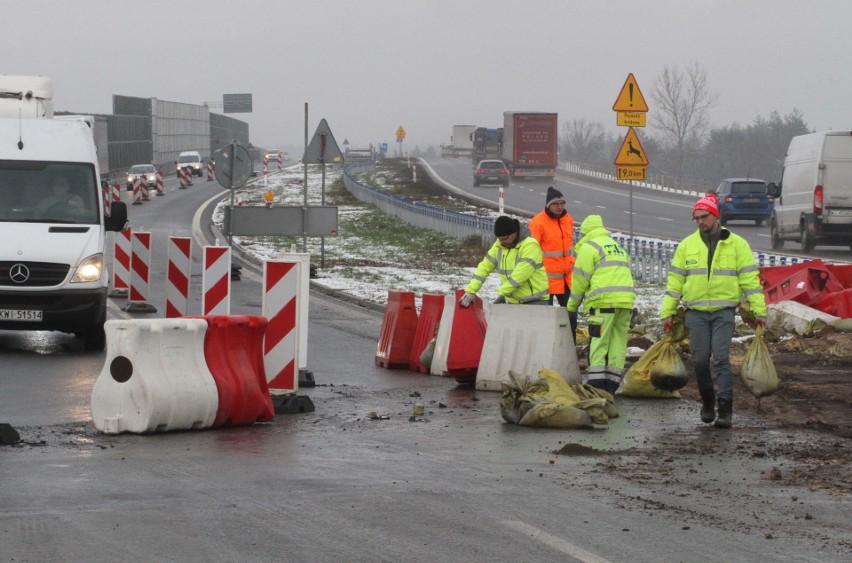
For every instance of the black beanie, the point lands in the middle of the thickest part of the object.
(553, 195)
(506, 226)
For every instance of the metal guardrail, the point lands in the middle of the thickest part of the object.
(451, 223)
(649, 258)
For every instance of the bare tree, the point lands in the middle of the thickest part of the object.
(682, 114)
(585, 141)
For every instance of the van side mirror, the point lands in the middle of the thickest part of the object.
(773, 189)
(117, 219)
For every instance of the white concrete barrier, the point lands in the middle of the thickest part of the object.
(155, 378)
(795, 317)
(525, 339)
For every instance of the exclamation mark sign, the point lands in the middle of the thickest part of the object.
(630, 93)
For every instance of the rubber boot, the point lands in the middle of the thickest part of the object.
(708, 406)
(726, 411)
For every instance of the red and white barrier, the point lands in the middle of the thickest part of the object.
(105, 197)
(265, 163)
(304, 292)
(182, 374)
(210, 171)
(116, 193)
(161, 190)
(137, 191)
(121, 262)
(189, 175)
(140, 267)
(281, 282)
(182, 178)
(177, 277)
(216, 281)
(280, 161)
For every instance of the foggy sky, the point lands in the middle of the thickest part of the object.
(368, 66)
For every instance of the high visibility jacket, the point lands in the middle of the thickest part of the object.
(556, 237)
(732, 275)
(522, 275)
(601, 273)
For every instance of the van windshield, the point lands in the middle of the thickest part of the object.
(188, 158)
(48, 192)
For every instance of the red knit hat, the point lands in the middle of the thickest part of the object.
(707, 203)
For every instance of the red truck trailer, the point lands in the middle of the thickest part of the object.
(530, 143)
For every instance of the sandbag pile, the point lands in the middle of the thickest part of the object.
(551, 402)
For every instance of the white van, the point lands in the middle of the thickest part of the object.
(52, 270)
(191, 159)
(813, 201)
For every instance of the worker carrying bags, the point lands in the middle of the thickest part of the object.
(660, 371)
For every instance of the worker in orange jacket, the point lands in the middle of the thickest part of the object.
(553, 228)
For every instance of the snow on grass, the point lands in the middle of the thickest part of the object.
(363, 268)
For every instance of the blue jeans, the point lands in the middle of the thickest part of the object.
(711, 332)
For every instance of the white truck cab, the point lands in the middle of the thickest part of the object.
(52, 270)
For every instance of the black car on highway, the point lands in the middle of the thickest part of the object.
(491, 172)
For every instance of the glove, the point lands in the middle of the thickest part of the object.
(572, 318)
(668, 325)
(759, 321)
(500, 299)
(467, 300)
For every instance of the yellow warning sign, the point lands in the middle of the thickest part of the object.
(631, 152)
(631, 172)
(630, 98)
(400, 133)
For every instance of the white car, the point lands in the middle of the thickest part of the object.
(146, 171)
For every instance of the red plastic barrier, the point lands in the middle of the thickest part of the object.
(233, 348)
(430, 315)
(466, 340)
(773, 275)
(842, 273)
(838, 304)
(394, 347)
(806, 286)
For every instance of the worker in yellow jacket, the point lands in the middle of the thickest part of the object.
(516, 257)
(602, 281)
(711, 271)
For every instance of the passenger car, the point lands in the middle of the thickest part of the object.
(191, 159)
(491, 172)
(147, 171)
(744, 198)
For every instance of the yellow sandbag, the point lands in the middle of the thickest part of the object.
(549, 414)
(637, 380)
(758, 372)
(668, 372)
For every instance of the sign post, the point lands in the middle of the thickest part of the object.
(322, 149)
(631, 161)
(400, 136)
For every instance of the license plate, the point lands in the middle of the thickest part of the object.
(751, 200)
(26, 315)
(840, 212)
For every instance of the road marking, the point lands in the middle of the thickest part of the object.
(762, 235)
(601, 206)
(556, 543)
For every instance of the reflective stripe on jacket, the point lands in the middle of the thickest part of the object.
(556, 238)
(601, 274)
(733, 276)
(522, 275)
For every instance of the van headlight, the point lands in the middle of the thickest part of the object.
(89, 269)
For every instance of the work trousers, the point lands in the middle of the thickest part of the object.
(710, 332)
(607, 352)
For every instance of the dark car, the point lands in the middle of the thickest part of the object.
(147, 172)
(491, 172)
(744, 198)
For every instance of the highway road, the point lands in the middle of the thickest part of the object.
(337, 484)
(656, 214)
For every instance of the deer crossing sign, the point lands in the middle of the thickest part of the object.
(631, 152)
(631, 160)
